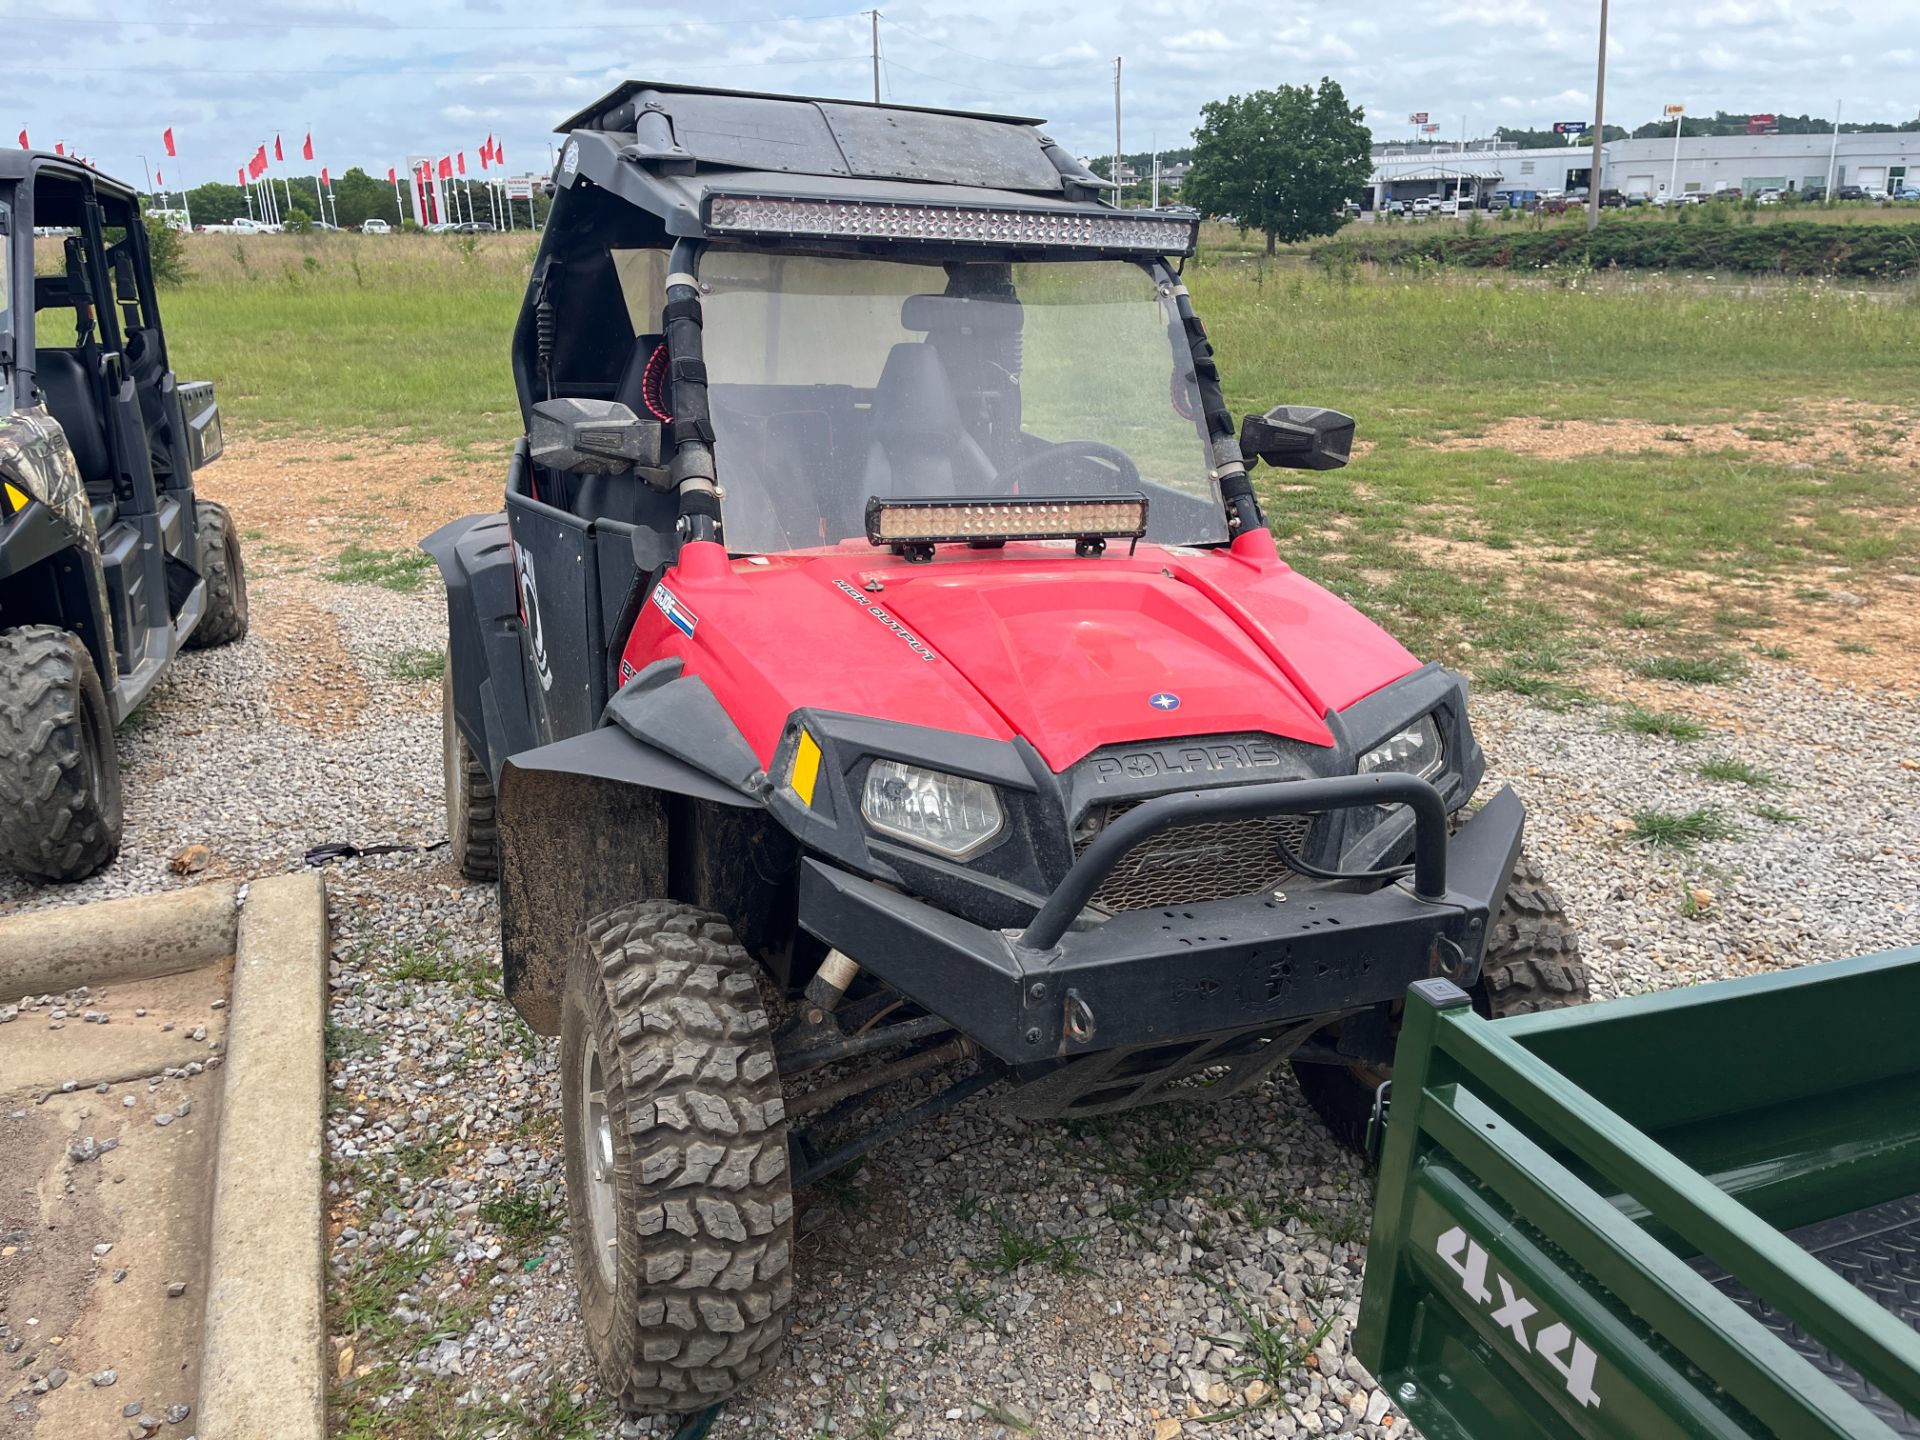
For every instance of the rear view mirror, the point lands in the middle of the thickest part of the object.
(591, 437)
(1297, 437)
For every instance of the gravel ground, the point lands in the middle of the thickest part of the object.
(1147, 1243)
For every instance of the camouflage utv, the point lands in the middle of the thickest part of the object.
(108, 562)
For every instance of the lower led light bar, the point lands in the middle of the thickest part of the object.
(1145, 231)
(906, 524)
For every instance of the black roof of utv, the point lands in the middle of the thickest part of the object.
(669, 148)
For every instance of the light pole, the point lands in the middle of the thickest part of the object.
(1599, 124)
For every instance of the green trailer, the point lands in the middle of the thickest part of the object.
(1694, 1213)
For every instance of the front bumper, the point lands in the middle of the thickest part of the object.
(1073, 985)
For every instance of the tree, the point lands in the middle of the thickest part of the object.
(1282, 161)
(358, 198)
(214, 203)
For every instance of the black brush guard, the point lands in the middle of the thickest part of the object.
(1074, 983)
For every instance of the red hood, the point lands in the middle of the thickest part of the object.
(1031, 640)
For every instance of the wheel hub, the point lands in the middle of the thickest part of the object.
(596, 1146)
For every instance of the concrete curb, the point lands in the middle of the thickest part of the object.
(263, 1364)
(51, 951)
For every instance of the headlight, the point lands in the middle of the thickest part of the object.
(1414, 751)
(941, 812)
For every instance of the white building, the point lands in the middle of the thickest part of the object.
(1648, 167)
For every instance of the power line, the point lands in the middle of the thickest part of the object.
(371, 27)
(509, 68)
(988, 59)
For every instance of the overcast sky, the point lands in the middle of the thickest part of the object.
(438, 75)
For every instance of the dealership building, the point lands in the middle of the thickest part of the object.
(1704, 164)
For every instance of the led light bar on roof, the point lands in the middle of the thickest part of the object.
(948, 224)
(990, 522)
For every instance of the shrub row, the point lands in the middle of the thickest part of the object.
(1790, 247)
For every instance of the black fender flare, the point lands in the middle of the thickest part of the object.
(475, 556)
(583, 828)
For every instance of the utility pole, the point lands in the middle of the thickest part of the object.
(1155, 202)
(875, 15)
(1673, 175)
(1118, 194)
(1599, 124)
(1833, 153)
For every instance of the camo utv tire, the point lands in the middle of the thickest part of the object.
(1532, 963)
(678, 1195)
(60, 813)
(473, 824)
(225, 620)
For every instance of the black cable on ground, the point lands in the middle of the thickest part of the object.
(695, 1426)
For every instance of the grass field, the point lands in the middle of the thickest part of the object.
(1536, 452)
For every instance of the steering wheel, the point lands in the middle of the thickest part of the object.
(1106, 458)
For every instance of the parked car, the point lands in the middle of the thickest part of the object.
(1771, 196)
(1906, 193)
(375, 227)
(1851, 192)
(1423, 205)
(242, 225)
(1813, 194)
(1637, 199)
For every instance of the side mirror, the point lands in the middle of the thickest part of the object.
(1297, 437)
(591, 437)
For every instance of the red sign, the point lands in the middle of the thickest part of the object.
(1418, 117)
(1761, 125)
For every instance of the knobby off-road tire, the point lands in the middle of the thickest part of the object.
(662, 1021)
(60, 811)
(1532, 963)
(473, 823)
(225, 620)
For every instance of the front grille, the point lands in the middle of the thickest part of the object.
(1213, 860)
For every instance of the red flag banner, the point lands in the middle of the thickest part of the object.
(446, 167)
(499, 155)
(393, 175)
(325, 179)
(463, 162)
(241, 172)
(257, 166)
(23, 141)
(306, 150)
(278, 153)
(160, 179)
(59, 147)
(167, 140)
(483, 157)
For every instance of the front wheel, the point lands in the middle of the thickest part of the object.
(60, 814)
(678, 1197)
(1532, 963)
(225, 619)
(473, 824)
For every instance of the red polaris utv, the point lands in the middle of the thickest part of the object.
(882, 618)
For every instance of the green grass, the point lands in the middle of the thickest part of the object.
(1016, 1249)
(401, 570)
(1774, 815)
(1272, 1354)
(1646, 620)
(401, 336)
(416, 663)
(1541, 689)
(1690, 669)
(1854, 647)
(1661, 829)
(524, 1219)
(1728, 770)
(1773, 652)
(1638, 720)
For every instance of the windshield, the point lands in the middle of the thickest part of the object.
(833, 380)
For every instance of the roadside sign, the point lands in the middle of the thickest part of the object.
(520, 189)
(1673, 110)
(1418, 117)
(1761, 125)
(1570, 127)
(1429, 129)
